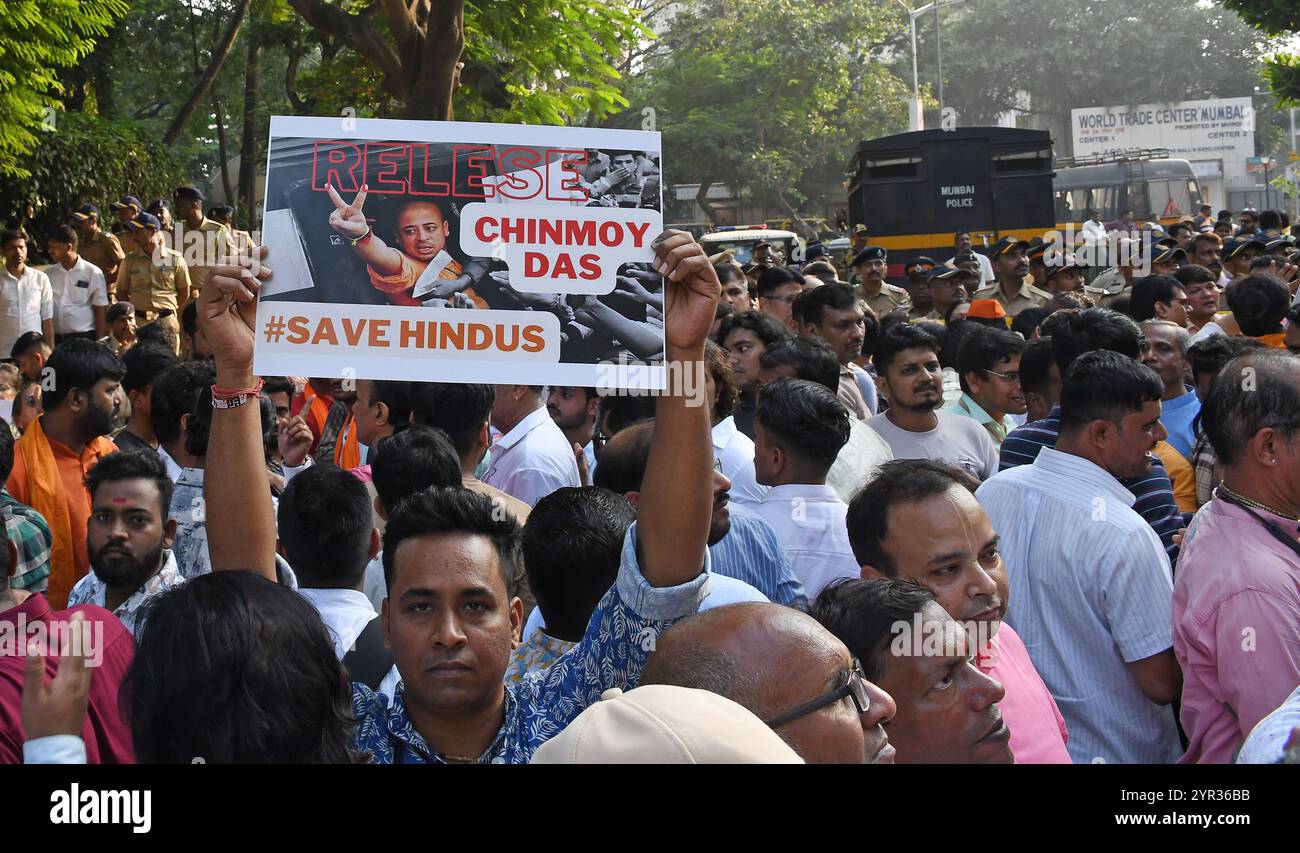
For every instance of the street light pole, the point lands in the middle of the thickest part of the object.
(916, 119)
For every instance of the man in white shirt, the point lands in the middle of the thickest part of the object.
(1094, 591)
(733, 451)
(328, 535)
(801, 427)
(910, 378)
(1094, 230)
(813, 359)
(79, 290)
(532, 458)
(962, 243)
(26, 300)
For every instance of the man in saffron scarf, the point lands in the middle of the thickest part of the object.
(83, 404)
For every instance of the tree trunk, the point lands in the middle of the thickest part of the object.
(248, 156)
(205, 81)
(702, 199)
(433, 65)
(809, 232)
(222, 151)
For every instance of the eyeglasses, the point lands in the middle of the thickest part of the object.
(1012, 376)
(855, 687)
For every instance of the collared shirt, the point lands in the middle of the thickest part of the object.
(1093, 231)
(851, 395)
(115, 346)
(866, 379)
(103, 250)
(619, 638)
(153, 286)
(734, 451)
(1177, 416)
(1107, 286)
(92, 590)
(538, 652)
(345, 612)
(174, 469)
(889, 299)
(1203, 461)
(105, 732)
(26, 301)
(1092, 592)
(1027, 296)
(1153, 494)
(1181, 476)
(967, 407)
(858, 459)
(202, 254)
(30, 533)
(1038, 732)
(77, 292)
(1267, 741)
(533, 459)
(1236, 613)
(954, 440)
(809, 523)
(750, 552)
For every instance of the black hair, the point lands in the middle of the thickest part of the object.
(79, 363)
(1095, 329)
(1120, 304)
(452, 510)
(617, 412)
(278, 385)
(773, 277)
(572, 544)
(1036, 365)
(623, 461)
(235, 669)
(728, 271)
(811, 358)
(715, 359)
(458, 410)
(398, 396)
(1149, 290)
(411, 460)
(805, 418)
(983, 348)
(11, 234)
(1258, 304)
(1026, 322)
(133, 465)
(1254, 391)
(65, 234)
(325, 523)
(190, 318)
(863, 615)
(821, 265)
(6, 451)
(1270, 220)
(764, 326)
(898, 338)
(26, 342)
(1106, 385)
(200, 426)
(1178, 227)
(174, 393)
(811, 305)
(157, 333)
(1194, 274)
(897, 483)
(143, 364)
(1211, 354)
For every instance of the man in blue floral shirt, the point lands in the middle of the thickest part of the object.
(448, 619)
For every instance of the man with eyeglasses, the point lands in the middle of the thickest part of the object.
(777, 290)
(947, 709)
(789, 671)
(917, 521)
(988, 364)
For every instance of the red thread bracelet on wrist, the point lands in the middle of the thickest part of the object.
(219, 393)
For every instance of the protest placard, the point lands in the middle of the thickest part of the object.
(450, 251)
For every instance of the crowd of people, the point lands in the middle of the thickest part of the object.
(1015, 510)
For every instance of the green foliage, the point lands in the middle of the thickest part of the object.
(1283, 76)
(772, 97)
(1278, 18)
(88, 159)
(36, 40)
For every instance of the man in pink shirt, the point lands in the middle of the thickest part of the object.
(1236, 596)
(918, 521)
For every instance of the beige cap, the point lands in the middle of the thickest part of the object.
(662, 724)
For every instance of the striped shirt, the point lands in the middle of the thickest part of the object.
(750, 552)
(1153, 494)
(1093, 592)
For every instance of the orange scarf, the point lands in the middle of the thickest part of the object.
(1277, 340)
(45, 495)
(317, 407)
(347, 451)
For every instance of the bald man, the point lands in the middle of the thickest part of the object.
(789, 671)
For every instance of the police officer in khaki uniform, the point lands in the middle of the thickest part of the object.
(127, 209)
(205, 243)
(1118, 279)
(918, 288)
(153, 278)
(884, 298)
(97, 247)
(1010, 289)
